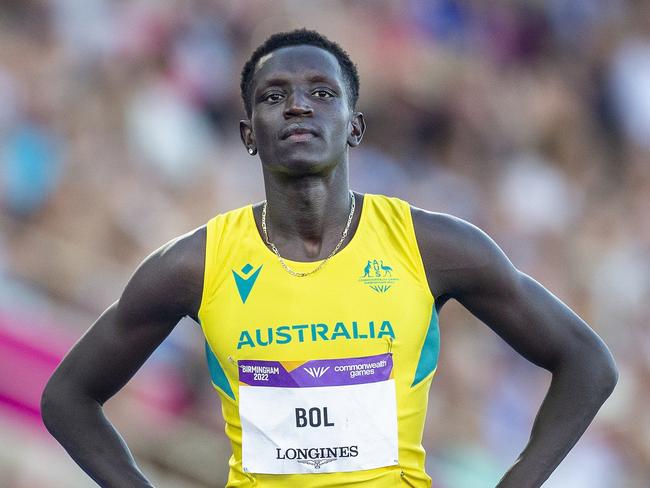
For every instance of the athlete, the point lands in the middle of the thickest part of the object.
(319, 308)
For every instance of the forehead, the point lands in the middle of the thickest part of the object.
(298, 60)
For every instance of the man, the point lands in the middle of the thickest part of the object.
(319, 312)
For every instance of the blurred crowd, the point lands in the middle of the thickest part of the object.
(531, 119)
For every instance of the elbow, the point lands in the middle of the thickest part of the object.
(63, 404)
(49, 407)
(602, 365)
(593, 366)
(609, 372)
(54, 406)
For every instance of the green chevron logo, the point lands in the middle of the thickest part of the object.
(245, 283)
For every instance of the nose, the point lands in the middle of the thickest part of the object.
(298, 105)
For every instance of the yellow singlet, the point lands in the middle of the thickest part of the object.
(324, 379)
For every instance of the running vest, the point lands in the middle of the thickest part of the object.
(324, 379)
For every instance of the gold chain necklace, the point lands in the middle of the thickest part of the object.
(301, 274)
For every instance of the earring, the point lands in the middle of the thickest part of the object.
(251, 151)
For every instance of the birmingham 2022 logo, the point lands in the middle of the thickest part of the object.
(378, 276)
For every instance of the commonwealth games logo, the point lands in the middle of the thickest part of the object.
(378, 276)
(316, 372)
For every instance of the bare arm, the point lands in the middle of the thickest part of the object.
(166, 287)
(463, 263)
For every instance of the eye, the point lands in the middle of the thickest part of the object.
(321, 93)
(272, 97)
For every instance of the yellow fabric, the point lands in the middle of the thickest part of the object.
(337, 293)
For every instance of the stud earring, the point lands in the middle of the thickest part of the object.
(251, 151)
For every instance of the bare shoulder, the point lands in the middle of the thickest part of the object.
(456, 252)
(170, 279)
(451, 242)
(186, 253)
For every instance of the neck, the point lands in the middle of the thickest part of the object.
(306, 215)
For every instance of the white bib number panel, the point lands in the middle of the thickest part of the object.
(320, 416)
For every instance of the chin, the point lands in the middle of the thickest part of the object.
(302, 165)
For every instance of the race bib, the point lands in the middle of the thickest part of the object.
(320, 416)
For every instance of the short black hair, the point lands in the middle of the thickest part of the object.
(296, 38)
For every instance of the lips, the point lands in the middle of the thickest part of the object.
(298, 131)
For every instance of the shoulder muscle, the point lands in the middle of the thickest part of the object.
(459, 257)
(169, 282)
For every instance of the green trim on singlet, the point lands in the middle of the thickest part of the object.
(430, 350)
(219, 379)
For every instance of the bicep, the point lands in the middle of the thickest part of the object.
(527, 316)
(464, 263)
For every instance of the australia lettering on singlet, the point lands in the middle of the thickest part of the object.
(316, 331)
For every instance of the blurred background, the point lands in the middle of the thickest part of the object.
(119, 131)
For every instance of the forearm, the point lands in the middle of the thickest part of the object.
(81, 427)
(576, 393)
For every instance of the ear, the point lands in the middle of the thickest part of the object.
(357, 129)
(247, 137)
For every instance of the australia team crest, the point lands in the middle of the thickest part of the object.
(378, 275)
